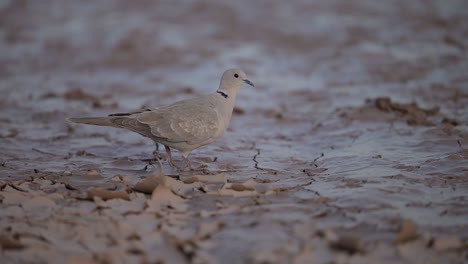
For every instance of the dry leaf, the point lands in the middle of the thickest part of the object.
(204, 257)
(191, 180)
(416, 251)
(38, 202)
(321, 199)
(230, 192)
(107, 194)
(14, 211)
(143, 223)
(239, 187)
(148, 184)
(121, 206)
(218, 178)
(180, 187)
(160, 249)
(13, 198)
(408, 232)
(163, 198)
(75, 259)
(7, 242)
(349, 244)
(447, 243)
(93, 174)
(205, 229)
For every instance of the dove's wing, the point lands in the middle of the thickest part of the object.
(192, 121)
(130, 123)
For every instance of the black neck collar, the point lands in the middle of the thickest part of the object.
(223, 94)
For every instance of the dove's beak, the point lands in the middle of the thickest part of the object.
(249, 83)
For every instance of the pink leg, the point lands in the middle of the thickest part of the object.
(171, 162)
(169, 157)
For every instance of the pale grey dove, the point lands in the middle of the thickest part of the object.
(185, 125)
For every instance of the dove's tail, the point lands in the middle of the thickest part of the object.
(96, 121)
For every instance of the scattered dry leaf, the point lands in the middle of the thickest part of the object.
(160, 248)
(163, 198)
(348, 244)
(321, 199)
(231, 192)
(205, 229)
(450, 121)
(7, 242)
(148, 184)
(93, 174)
(239, 187)
(447, 243)
(179, 187)
(107, 194)
(38, 203)
(408, 232)
(191, 180)
(13, 198)
(416, 251)
(416, 116)
(123, 206)
(76, 259)
(218, 178)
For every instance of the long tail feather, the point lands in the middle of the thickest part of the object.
(97, 121)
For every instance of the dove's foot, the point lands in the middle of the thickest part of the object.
(169, 158)
(188, 164)
(202, 167)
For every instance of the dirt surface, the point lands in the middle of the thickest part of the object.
(352, 147)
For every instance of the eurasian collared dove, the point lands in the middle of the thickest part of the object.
(185, 125)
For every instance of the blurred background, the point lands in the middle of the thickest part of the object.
(161, 45)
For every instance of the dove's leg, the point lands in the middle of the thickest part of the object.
(189, 164)
(156, 150)
(169, 157)
(156, 153)
(171, 162)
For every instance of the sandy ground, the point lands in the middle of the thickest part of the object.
(352, 147)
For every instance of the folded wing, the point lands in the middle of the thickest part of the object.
(192, 124)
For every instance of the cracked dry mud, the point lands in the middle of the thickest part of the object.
(352, 148)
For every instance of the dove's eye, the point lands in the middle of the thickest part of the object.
(236, 75)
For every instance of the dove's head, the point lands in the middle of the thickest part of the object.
(232, 80)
